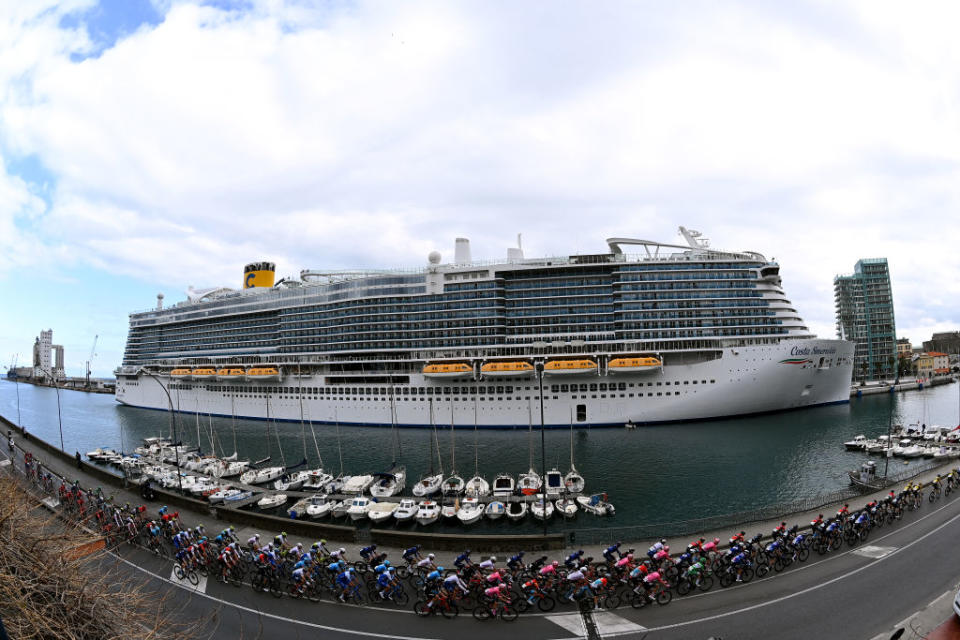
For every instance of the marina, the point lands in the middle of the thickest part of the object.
(751, 462)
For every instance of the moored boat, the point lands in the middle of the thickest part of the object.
(428, 512)
(495, 510)
(640, 364)
(470, 510)
(596, 504)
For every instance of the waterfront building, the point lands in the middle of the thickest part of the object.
(674, 332)
(947, 342)
(904, 348)
(47, 357)
(864, 308)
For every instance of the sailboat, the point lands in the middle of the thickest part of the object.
(229, 466)
(453, 485)
(529, 482)
(265, 474)
(573, 482)
(394, 480)
(315, 479)
(477, 486)
(542, 508)
(430, 483)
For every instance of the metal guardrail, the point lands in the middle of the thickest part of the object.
(604, 535)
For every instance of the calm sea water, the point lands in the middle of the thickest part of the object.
(652, 474)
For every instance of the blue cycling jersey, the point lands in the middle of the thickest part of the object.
(384, 579)
(366, 551)
(433, 575)
(412, 551)
(461, 560)
(343, 579)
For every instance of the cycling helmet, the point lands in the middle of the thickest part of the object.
(666, 547)
(386, 563)
(257, 536)
(299, 545)
(231, 529)
(440, 569)
(662, 541)
(555, 563)
(342, 550)
(380, 569)
(467, 552)
(323, 542)
(284, 534)
(629, 556)
(493, 558)
(430, 556)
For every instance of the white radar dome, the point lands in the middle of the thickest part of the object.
(434, 257)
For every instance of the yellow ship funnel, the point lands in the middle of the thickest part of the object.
(258, 274)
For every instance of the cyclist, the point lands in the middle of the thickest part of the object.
(843, 512)
(385, 584)
(573, 559)
(515, 562)
(610, 553)
(427, 563)
(280, 542)
(253, 542)
(339, 554)
(411, 554)
(740, 562)
(596, 587)
(498, 593)
(489, 564)
(550, 570)
(367, 552)
(694, 571)
(346, 583)
(299, 575)
(320, 549)
(453, 582)
(463, 560)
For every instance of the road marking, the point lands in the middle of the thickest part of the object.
(51, 503)
(815, 587)
(4, 463)
(606, 623)
(200, 587)
(871, 551)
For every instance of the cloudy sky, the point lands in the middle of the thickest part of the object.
(146, 146)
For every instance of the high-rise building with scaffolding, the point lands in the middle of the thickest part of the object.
(864, 306)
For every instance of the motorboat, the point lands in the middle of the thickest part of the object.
(477, 487)
(357, 484)
(879, 445)
(596, 504)
(272, 501)
(573, 481)
(299, 508)
(859, 443)
(224, 494)
(427, 486)
(390, 483)
(449, 511)
(470, 510)
(516, 510)
(236, 495)
(866, 478)
(567, 507)
(529, 482)
(448, 371)
(553, 483)
(358, 508)
(495, 510)
(913, 451)
(428, 512)
(320, 506)
(504, 485)
(339, 510)
(316, 479)
(98, 453)
(406, 510)
(335, 485)
(541, 508)
(453, 486)
(381, 511)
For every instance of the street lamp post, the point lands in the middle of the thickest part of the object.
(543, 450)
(59, 416)
(173, 429)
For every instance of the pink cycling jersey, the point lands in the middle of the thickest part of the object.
(660, 555)
(493, 591)
(547, 570)
(652, 577)
(622, 561)
(710, 546)
(494, 577)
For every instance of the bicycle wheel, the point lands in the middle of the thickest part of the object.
(706, 583)
(726, 580)
(509, 614)
(193, 578)
(481, 613)
(276, 588)
(401, 598)
(638, 600)
(762, 570)
(449, 611)
(747, 574)
(664, 598)
(178, 571)
(611, 601)
(684, 587)
(546, 603)
(803, 554)
(420, 608)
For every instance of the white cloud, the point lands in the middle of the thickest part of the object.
(368, 135)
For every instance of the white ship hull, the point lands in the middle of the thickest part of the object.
(793, 374)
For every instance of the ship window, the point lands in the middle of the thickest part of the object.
(499, 390)
(593, 386)
(713, 382)
(603, 395)
(422, 391)
(405, 391)
(564, 388)
(649, 384)
(694, 382)
(676, 382)
(456, 391)
(659, 384)
(622, 386)
(659, 394)
(509, 390)
(631, 395)
(554, 388)
(581, 413)
(603, 386)
(686, 382)
(583, 387)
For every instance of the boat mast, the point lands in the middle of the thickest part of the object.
(476, 442)
(433, 430)
(453, 443)
(303, 429)
(233, 423)
(572, 466)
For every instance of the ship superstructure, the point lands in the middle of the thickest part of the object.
(675, 333)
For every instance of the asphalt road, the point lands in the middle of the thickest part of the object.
(852, 594)
(856, 593)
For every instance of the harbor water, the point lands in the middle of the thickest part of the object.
(656, 474)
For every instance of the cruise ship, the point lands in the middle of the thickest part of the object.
(664, 333)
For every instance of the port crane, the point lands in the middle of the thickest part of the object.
(93, 350)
